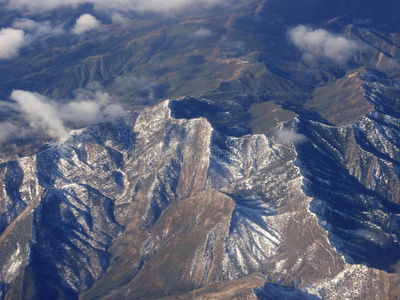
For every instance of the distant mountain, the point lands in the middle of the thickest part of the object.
(257, 156)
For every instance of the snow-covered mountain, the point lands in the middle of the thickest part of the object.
(158, 203)
(272, 172)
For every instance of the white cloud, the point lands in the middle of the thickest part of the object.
(290, 136)
(11, 41)
(118, 18)
(395, 268)
(319, 43)
(40, 113)
(24, 33)
(25, 24)
(164, 6)
(90, 106)
(149, 89)
(37, 31)
(202, 33)
(6, 130)
(232, 46)
(39, 28)
(85, 23)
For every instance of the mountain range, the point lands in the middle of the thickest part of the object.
(228, 150)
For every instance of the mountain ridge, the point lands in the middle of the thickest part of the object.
(229, 169)
(241, 167)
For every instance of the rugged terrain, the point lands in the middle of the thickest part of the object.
(265, 176)
(159, 203)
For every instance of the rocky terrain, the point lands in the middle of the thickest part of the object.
(246, 164)
(158, 203)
